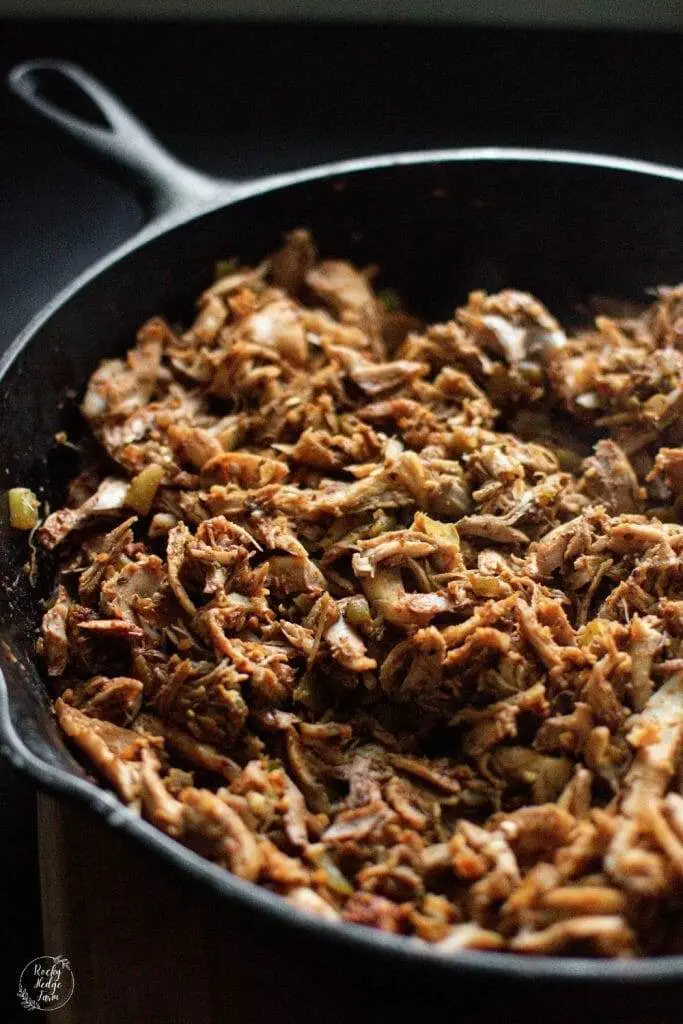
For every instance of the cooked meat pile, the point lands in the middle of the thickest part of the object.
(389, 618)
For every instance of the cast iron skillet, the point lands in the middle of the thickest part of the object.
(562, 225)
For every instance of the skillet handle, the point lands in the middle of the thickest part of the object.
(125, 142)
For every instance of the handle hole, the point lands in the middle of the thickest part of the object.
(56, 88)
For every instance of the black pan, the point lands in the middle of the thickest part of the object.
(565, 226)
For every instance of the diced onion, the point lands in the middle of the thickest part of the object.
(23, 508)
(143, 488)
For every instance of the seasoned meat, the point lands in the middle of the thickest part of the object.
(608, 479)
(388, 617)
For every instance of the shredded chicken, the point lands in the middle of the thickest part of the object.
(360, 618)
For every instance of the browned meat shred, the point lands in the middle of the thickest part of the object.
(390, 641)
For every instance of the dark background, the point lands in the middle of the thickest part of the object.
(242, 101)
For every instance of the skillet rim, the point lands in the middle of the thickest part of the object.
(473, 965)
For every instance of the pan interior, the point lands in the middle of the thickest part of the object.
(436, 231)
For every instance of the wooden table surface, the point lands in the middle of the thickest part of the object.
(145, 946)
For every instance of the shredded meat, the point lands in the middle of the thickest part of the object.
(384, 635)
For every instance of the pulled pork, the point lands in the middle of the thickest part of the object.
(342, 626)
